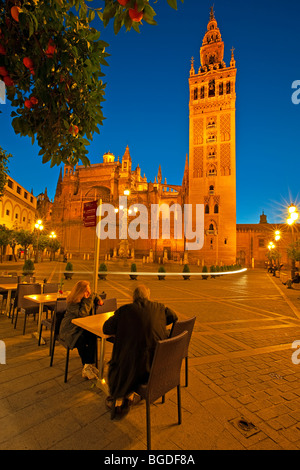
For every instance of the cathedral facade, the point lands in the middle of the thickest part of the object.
(109, 181)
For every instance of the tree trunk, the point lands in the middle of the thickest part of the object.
(13, 247)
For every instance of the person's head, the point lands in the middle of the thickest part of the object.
(80, 290)
(141, 293)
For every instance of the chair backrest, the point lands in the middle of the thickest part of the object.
(166, 365)
(109, 305)
(60, 310)
(27, 278)
(50, 288)
(185, 325)
(27, 289)
(8, 279)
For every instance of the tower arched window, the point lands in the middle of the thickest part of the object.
(216, 209)
(228, 88)
(195, 93)
(211, 87)
(221, 89)
(212, 170)
(211, 153)
(211, 123)
(211, 227)
(207, 209)
(202, 93)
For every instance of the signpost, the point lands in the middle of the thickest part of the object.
(90, 219)
(89, 214)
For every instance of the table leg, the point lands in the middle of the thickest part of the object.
(101, 383)
(101, 362)
(7, 307)
(37, 333)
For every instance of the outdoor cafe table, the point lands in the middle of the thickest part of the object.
(94, 324)
(9, 288)
(42, 299)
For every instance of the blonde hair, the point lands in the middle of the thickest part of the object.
(77, 292)
(141, 293)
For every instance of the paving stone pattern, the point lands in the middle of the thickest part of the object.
(240, 368)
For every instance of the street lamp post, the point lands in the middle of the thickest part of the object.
(39, 227)
(293, 216)
(272, 257)
(277, 237)
(52, 236)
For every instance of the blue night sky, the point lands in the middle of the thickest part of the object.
(147, 101)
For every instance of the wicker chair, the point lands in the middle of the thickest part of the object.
(164, 375)
(59, 312)
(53, 323)
(26, 306)
(179, 327)
(50, 288)
(4, 292)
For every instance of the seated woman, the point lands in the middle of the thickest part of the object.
(80, 304)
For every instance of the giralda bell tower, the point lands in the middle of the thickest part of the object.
(212, 165)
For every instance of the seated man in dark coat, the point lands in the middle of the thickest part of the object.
(136, 327)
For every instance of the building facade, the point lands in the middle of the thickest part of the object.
(17, 207)
(212, 166)
(108, 181)
(209, 179)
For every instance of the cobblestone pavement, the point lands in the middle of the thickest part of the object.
(243, 390)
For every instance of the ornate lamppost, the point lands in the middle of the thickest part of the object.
(293, 216)
(52, 236)
(39, 227)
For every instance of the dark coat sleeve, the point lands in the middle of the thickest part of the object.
(171, 316)
(110, 326)
(68, 332)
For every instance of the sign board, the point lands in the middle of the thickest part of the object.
(89, 214)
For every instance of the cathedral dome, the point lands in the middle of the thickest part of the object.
(108, 157)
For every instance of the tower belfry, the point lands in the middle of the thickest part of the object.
(212, 165)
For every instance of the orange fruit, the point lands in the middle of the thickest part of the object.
(33, 100)
(73, 130)
(8, 81)
(14, 11)
(136, 15)
(3, 71)
(28, 62)
(51, 49)
(28, 104)
(123, 2)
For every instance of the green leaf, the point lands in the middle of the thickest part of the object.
(91, 15)
(173, 4)
(149, 20)
(140, 5)
(136, 26)
(148, 10)
(118, 24)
